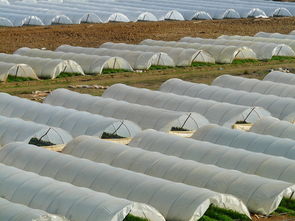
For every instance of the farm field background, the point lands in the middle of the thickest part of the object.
(92, 35)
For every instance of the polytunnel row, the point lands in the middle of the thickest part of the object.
(16, 129)
(137, 59)
(280, 77)
(262, 167)
(175, 201)
(119, 56)
(280, 107)
(289, 42)
(216, 112)
(15, 70)
(144, 116)
(74, 122)
(274, 127)
(264, 137)
(197, 199)
(255, 85)
(64, 199)
(220, 53)
(37, 67)
(44, 64)
(16, 212)
(91, 64)
(262, 50)
(19, 13)
(182, 171)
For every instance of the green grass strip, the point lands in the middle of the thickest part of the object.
(203, 64)
(18, 79)
(110, 136)
(66, 74)
(112, 71)
(244, 61)
(282, 58)
(287, 206)
(215, 213)
(40, 143)
(134, 218)
(159, 67)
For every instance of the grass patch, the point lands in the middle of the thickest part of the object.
(202, 64)
(134, 218)
(287, 206)
(159, 67)
(35, 141)
(243, 61)
(282, 58)
(66, 74)
(237, 61)
(111, 71)
(110, 136)
(18, 79)
(178, 129)
(217, 214)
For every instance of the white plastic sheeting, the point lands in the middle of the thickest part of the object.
(274, 35)
(290, 118)
(4, 2)
(279, 107)
(256, 13)
(3, 77)
(274, 127)
(82, 12)
(60, 13)
(15, 129)
(75, 122)
(16, 212)
(183, 171)
(261, 49)
(124, 11)
(91, 64)
(174, 201)
(4, 22)
(280, 77)
(144, 116)
(255, 85)
(137, 59)
(131, 10)
(221, 53)
(180, 56)
(64, 199)
(278, 168)
(201, 15)
(20, 20)
(219, 113)
(48, 17)
(44, 67)
(16, 70)
(288, 42)
(247, 140)
(281, 12)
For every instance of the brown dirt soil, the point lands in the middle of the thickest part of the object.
(95, 34)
